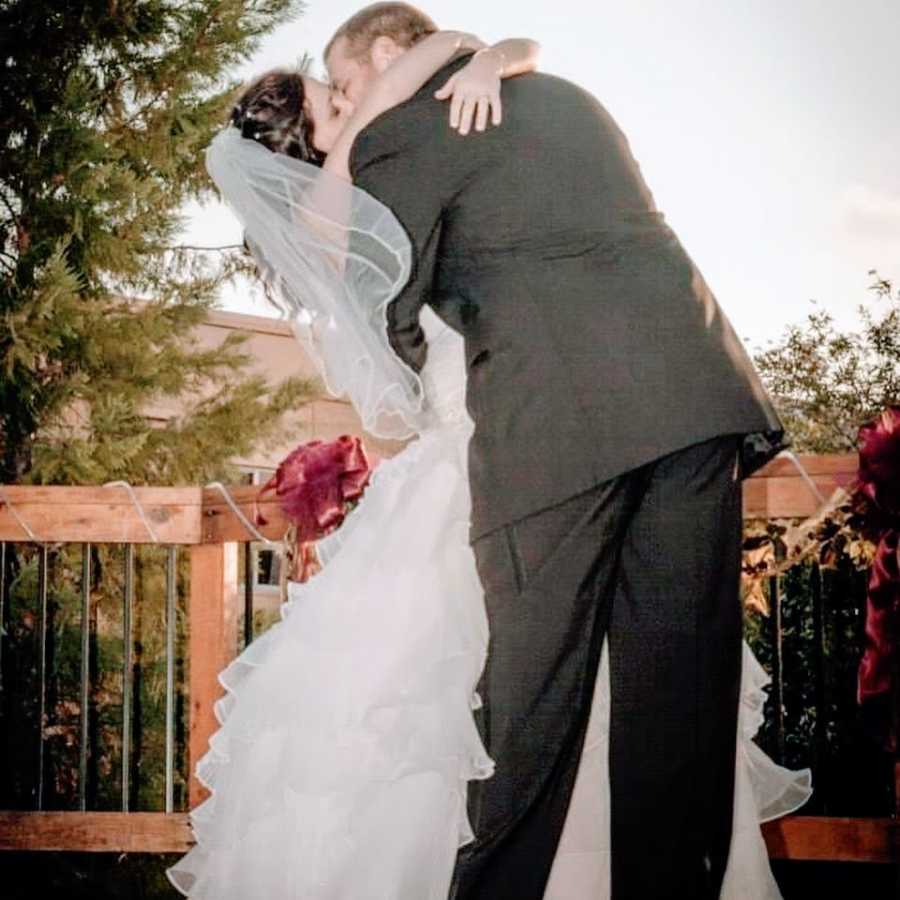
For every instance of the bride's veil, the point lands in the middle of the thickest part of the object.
(333, 258)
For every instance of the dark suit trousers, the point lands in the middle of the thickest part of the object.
(653, 558)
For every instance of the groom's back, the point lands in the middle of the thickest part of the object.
(557, 163)
(593, 343)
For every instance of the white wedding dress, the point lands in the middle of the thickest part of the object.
(347, 738)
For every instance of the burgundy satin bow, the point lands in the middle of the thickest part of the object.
(878, 482)
(315, 485)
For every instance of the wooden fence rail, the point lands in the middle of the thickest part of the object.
(203, 522)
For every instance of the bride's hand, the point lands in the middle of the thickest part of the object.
(474, 92)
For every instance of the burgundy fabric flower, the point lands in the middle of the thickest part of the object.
(316, 483)
(878, 477)
(878, 482)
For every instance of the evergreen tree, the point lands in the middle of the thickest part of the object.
(106, 107)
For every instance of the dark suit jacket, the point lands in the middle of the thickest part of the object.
(593, 344)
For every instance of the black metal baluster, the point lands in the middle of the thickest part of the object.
(127, 673)
(6, 764)
(777, 638)
(3, 607)
(171, 563)
(249, 579)
(137, 683)
(84, 686)
(42, 671)
(820, 732)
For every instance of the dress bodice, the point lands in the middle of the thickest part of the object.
(444, 373)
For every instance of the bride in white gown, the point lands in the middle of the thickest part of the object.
(347, 739)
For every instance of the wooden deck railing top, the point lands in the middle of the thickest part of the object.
(192, 515)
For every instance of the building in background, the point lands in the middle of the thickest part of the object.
(277, 354)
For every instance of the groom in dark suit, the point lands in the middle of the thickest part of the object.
(616, 413)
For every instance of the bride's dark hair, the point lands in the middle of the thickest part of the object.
(272, 111)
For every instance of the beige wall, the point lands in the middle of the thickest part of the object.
(277, 354)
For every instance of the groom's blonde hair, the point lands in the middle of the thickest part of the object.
(403, 23)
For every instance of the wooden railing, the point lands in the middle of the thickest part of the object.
(202, 523)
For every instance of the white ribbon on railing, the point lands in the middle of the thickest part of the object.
(789, 455)
(137, 506)
(22, 523)
(241, 517)
(799, 536)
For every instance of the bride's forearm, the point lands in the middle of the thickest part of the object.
(411, 70)
(514, 56)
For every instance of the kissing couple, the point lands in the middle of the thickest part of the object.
(520, 673)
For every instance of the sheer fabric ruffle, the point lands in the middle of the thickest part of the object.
(763, 791)
(347, 737)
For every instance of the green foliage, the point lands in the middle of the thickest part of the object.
(106, 647)
(106, 107)
(105, 110)
(823, 726)
(827, 383)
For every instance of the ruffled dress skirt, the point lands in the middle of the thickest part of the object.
(347, 738)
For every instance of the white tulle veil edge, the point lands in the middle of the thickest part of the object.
(333, 258)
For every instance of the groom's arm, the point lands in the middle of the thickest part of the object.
(391, 160)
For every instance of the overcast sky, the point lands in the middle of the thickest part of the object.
(768, 131)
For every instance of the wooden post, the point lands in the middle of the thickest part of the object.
(213, 642)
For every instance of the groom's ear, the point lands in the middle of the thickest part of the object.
(384, 51)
